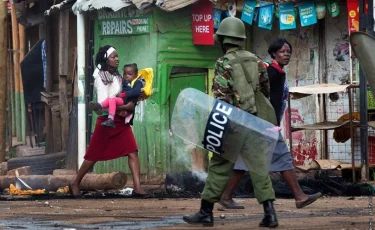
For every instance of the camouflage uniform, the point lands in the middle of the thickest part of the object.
(237, 81)
(223, 86)
(240, 90)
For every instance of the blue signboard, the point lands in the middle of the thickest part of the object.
(248, 11)
(266, 16)
(307, 13)
(287, 16)
(217, 16)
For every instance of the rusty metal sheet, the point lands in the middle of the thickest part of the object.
(325, 125)
(88, 5)
(167, 5)
(326, 165)
(172, 5)
(334, 164)
(115, 5)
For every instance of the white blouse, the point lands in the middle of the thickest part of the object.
(106, 91)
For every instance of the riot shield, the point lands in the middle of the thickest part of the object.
(201, 120)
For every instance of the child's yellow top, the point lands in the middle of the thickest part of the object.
(148, 75)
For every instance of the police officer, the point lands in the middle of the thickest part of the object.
(241, 80)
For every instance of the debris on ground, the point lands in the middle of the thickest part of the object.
(15, 191)
(63, 190)
(23, 171)
(328, 182)
(126, 191)
(91, 182)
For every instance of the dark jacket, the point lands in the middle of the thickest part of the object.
(132, 94)
(277, 82)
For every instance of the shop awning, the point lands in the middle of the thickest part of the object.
(115, 5)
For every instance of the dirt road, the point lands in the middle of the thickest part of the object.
(126, 213)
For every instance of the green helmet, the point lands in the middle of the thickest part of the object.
(232, 27)
(235, 41)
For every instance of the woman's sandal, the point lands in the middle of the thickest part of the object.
(71, 193)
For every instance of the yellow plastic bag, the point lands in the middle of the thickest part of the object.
(148, 75)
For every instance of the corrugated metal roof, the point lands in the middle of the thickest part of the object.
(115, 5)
(171, 5)
(87, 5)
(139, 3)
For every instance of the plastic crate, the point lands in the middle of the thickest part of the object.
(371, 150)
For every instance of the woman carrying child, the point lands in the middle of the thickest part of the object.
(131, 92)
(107, 144)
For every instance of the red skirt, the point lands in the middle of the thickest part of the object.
(111, 143)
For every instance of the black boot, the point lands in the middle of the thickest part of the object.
(204, 216)
(269, 219)
(109, 123)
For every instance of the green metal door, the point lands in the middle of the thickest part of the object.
(182, 159)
